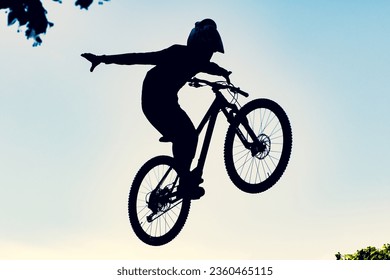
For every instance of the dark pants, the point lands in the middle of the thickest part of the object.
(173, 123)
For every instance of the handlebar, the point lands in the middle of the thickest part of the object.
(195, 82)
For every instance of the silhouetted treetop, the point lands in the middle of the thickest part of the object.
(32, 15)
(369, 253)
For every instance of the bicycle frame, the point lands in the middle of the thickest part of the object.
(219, 104)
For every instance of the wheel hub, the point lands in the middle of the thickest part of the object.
(158, 199)
(262, 148)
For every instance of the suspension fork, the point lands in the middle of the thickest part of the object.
(234, 118)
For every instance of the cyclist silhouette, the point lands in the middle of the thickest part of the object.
(174, 66)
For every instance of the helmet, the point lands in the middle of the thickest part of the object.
(205, 34)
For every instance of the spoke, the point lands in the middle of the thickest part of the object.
(262, 117)
(269, 169)
(277, 151)
(147, 182)
(250, 169)
(167, 225)
(273, 158)
(169, 215)
(260, 126)
(160, 225)
(149, 229)
(277, 137)
(273, 130)
(143, 193)
(156, 227)
(257, 171)
(253, 120)
(237, 144)
(241, 157)
(242, 165)
(142, 208)
(270, 121)
(239, 153)
(155, 170)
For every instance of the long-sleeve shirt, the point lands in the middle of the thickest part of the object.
(174, 66)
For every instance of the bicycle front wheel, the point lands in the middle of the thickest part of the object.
(258, 146)
(155, 214)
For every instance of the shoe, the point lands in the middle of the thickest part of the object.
(195, 193)
(190, 188)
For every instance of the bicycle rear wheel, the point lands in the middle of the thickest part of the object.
(255, 166)
(155, 214)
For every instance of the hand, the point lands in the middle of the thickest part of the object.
(226, 76)
(94, 59)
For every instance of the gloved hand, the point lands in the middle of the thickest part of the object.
(94, 59)
(226, 76)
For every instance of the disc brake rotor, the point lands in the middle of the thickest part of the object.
(262, 148)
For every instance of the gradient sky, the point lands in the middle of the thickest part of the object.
(71, 141)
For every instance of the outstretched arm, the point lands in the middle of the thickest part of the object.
(151, 58)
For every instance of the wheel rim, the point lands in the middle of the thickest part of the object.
(259, 162)
(161, 222)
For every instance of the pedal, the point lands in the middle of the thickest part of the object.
(165, 139)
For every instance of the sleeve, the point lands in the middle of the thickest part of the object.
(148, 58)
(214, 69)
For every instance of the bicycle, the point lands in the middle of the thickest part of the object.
(257, 149)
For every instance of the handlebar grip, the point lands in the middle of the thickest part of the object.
(244, 93)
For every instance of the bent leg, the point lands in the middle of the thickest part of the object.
(185, 141)
(173, 123)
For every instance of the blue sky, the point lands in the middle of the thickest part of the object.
(71, 141)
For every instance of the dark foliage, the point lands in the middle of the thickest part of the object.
(369, 253)
(32, 15)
